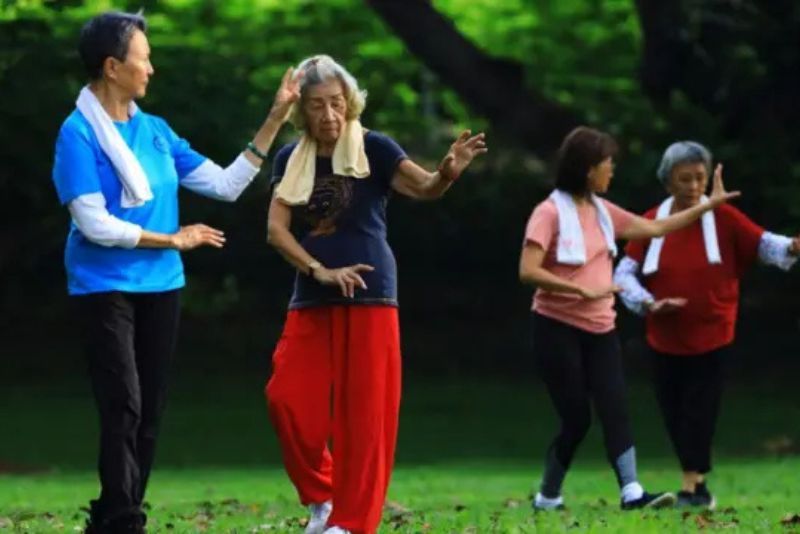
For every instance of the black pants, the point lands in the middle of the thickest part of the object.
(130, 339)
(579, 369)
(689, 389)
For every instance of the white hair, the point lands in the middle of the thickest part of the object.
(320, 69)
(682, 152)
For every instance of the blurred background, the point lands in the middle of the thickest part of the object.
(722, 72)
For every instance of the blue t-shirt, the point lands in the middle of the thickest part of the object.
(81, 167)
(345, 221)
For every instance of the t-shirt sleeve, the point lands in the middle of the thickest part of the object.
(384, 155)
(542, 225)
(279, 164)
(620, 218)
(747, 236)
(75, 166)
(186, 158)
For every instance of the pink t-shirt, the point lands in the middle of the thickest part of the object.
(595, 315)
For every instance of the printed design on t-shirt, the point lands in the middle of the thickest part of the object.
(332, 195)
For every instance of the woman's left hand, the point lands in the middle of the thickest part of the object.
(461, 154)
(288, 93)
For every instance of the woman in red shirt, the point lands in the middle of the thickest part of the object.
(689, 294)
(567, 253)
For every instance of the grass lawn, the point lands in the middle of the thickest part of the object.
(469, 455)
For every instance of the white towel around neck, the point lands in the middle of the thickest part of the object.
(135, 187)
(709, 237)
(571, 246)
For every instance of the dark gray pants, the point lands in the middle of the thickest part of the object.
(129, 339)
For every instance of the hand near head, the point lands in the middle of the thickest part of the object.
(198, 235)
(667, 305)
(718, 193)
(461, 154)
(594, 294)
(288, 93)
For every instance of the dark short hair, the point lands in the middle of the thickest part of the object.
(582, 149)
(107, 35)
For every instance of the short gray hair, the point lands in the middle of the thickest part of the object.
(320, 69)
(682, 152)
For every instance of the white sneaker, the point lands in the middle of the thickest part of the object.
(336, 530)
(546, 503)
(319, 517)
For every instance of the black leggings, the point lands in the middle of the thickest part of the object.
(580, 368)
(129, 338)
(689, 389)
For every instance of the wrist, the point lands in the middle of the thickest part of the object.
(647, 305)
(313, 267)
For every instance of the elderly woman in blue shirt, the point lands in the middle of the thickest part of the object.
(117, 170)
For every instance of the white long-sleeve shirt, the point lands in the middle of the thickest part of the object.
(209, 179)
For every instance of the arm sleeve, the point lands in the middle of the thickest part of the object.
(542, 225)
(211, 180)
(773, 249)
(99, 226)
(385, 155)
(633, 295)
(621, 218)
(747, 236)
(75, 166)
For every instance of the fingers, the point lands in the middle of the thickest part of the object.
(287, 77)
(361, 267)
(718, 172)
(462, 138)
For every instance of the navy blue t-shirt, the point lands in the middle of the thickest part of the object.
(345, 224)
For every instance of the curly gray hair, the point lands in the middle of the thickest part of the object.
(320, 69)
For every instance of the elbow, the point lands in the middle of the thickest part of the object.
(274, 234)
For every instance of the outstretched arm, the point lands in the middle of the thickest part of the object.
(413, 181)
(642, 228)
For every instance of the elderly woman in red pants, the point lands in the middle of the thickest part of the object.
(336, 368)
(687, 286)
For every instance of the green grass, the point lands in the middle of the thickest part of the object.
(468, 456)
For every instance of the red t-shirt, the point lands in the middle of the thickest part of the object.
(708, 320)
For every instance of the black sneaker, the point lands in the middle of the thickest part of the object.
(703, 498)
(650, 500)
(685, 499)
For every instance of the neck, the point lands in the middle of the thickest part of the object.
(680, 205)
(580, 200)
(115, 104)
(325, 149)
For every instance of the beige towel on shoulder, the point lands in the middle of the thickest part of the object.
(349, 159)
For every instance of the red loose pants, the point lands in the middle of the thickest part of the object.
(336, 376)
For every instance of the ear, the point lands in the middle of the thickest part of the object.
(110, 66)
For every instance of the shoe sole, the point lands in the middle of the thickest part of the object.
(664, 501)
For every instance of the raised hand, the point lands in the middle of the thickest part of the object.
(198, 235)
(667, 305)
(288, 93)
(461, 154)
(718, 193)
(347, 278)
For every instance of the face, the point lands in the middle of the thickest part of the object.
(687, 183)
(599, 177)
(133, 74)
(325, 110)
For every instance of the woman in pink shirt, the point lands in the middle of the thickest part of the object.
(568, 251)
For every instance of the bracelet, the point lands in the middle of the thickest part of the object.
(254, 149)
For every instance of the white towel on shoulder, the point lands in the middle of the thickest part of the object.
(135, 187)
(571, 246)
(349, 159)
(709, 237)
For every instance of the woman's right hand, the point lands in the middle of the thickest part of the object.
(718, 194)
(666, 305)
(347, 278)
(594, 294)
(197, 235)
